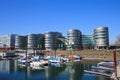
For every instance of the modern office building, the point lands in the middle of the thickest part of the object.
(101, 37)
(51, 40)
(34, 41)
(74, 39)
(20, 42)
(7, 41)
(54, 40)
(88, 41)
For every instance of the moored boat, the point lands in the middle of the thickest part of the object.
(54, 62)
(39, 63)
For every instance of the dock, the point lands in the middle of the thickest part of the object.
(118, 73)
(97, 73)
(102, 68)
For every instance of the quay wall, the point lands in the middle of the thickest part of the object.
(87, 54)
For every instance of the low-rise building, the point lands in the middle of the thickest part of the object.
(88, 41)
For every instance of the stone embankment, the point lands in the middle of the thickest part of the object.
(88, 54)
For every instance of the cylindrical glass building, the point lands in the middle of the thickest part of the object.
(51, 40)
(74, 39)
(20, 42)
(101, 38)
(34, 40)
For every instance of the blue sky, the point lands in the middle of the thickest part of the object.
(40, 16)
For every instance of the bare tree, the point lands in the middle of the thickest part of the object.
(118, 40)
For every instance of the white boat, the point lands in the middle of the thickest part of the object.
(47, 57)
(22, 62)
(75, 58)
(64, 59)
(39, 63)
(22, 59)
(54, 62)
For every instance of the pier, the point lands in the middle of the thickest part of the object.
(102, 68)
(118, 74)
(96, 73)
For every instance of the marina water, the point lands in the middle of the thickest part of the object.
(10, 70)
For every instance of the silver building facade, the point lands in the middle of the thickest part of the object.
(34, 40)
(20, 42)
(101, 37)
(74, 39)
(51, 40)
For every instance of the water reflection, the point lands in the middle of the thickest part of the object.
(8, 66)
(10, 70)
